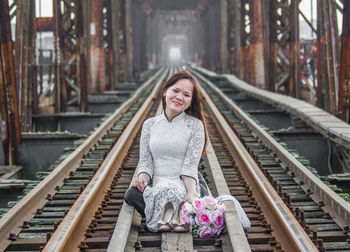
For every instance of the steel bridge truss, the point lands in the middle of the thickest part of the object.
(264, 49)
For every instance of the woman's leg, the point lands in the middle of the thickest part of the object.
(135, 198)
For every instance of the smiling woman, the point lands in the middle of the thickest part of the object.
(171, 146)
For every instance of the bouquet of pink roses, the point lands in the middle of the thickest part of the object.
(205, 216)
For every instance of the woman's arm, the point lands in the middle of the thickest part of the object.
(146, 159)
(189, 170)
(190, 184)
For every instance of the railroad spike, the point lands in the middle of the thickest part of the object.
(218, 243)
(138, 245)
(83, 246)
(25, 224)
(12, 237)
(48, 236)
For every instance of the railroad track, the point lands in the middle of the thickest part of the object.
(31, 222)
(88, 213)
(313, 214)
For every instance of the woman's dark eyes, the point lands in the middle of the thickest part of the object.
(176, 91)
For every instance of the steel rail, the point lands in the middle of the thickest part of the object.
(119, 239)
(235, 230)
(69, 233)
(294, 237)
(26, 208)
(336, 206)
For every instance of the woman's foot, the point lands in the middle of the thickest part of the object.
(167, 215)
(178, 224)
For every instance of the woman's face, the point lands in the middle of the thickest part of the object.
(178, 97)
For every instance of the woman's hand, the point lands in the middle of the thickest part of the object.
(140, 182)
(190, 197)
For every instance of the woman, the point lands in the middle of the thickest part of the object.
(171, 146)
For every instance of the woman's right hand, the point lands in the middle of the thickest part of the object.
(140, 182)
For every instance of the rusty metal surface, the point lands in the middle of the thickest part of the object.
(327, 209)
(45, 24)
(8, 90)
(70, 69)
(25, 209)
(25, 45)
(344, 76)
(291, 236)
(68, 233)
(233, 36)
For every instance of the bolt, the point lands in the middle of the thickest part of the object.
(138, 245)
(12, 237)
(48, 236)
(55, 225)
(25, 224)
(83, 245)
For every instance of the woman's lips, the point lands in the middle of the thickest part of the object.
(177, 103)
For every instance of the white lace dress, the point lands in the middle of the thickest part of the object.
(168, 151)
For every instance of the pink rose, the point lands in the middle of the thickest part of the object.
(210, 202)
(218, 230)
(186, 208)
(203, 218)
(198, 205)
(221, 207)
(218, 218)
(186, 219)
(205, 232)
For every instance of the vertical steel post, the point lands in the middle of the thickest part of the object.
(223, 35)
(115, 8)
(97, 47)
(234, 37)
(273, 46)
(256, 46)
(294, 52)
(81, 59)
(109, 50)
(25, 59)
(10, 125)
(57, 72)
(344, 81)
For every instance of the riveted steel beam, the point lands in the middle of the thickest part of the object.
(9, 123)
(25, 61)
(327, 74)
(70, 53)
(294, 51)
(344, 76)
(97, 47)
(234, 37)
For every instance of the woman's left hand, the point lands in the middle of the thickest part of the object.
(190, 197)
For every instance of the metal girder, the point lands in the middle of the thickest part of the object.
(123, 43)
(256, 45)
(70, 52)
(9, 123)
(344, 76)
(327, 73)
(294, 51)
(233, 37)
(108, 47)
(119, 35)
(26, 68)
(97, 47)
(244, 35)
